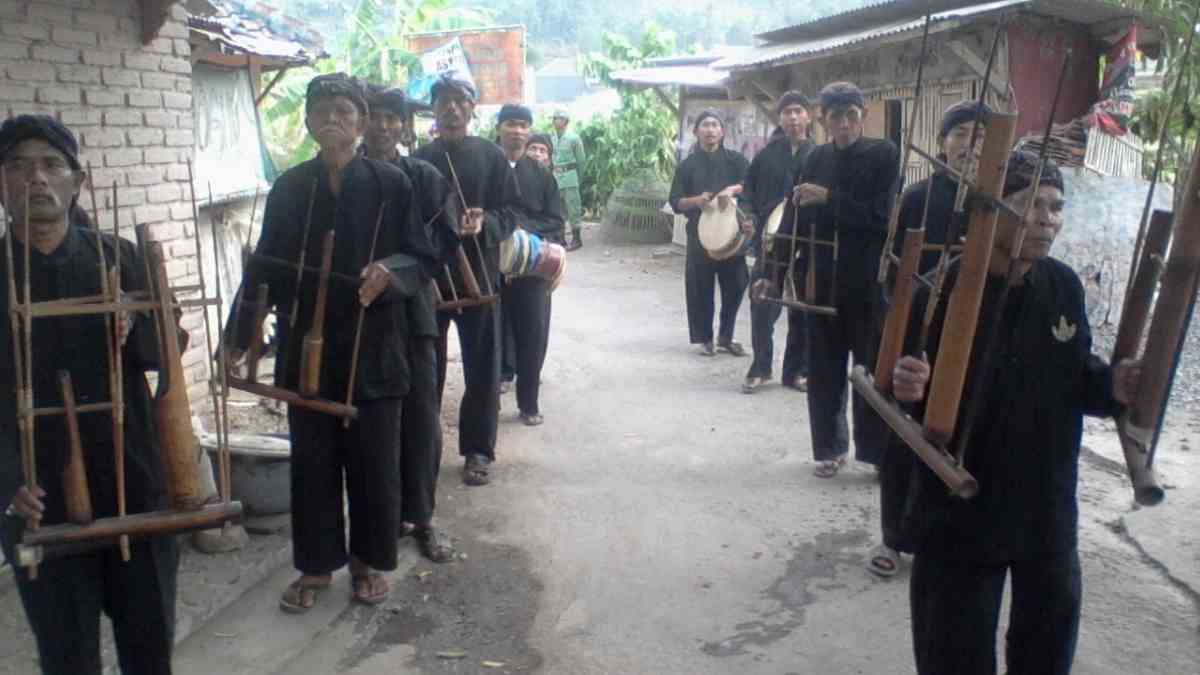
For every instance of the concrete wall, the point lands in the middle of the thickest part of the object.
(131, 107)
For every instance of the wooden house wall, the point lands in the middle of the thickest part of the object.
(1036, 49)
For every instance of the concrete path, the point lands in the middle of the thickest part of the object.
(662, 522)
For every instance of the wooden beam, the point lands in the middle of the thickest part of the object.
(998, 80)
(770, 92)
(662, 95)
(270, 85)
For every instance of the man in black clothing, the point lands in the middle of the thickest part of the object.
(1024, 452)
(844, 191)
(954, 145)
(710, 172)
(39, 158)
(420, 427)
(769, 181)
(347, 192)
(488, 187)
(538, 210)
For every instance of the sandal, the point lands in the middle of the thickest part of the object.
(734, 348)
(532, 419)
(706, 349)
(435, 545)
(300, 596)
(830, 467)
(884, 561)
(475, 471)
(367, 581)
(798, 384)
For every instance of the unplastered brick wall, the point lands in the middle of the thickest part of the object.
(130, 105)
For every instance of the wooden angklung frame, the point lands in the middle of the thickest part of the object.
(453, 295)
(187, 509)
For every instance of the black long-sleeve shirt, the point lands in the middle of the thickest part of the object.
(860, 179)
(485, 177)
(771, 177)
(76, 344)
(1024, 448)
(538, 207)
(406, 246)
(941, 210)
(705, 172)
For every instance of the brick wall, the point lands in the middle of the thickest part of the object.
(129, 104)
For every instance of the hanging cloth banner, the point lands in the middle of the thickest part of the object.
(1115, 105)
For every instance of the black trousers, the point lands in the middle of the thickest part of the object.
(420, 434)
(831, 341)
(763, 316)
(479, 342)
(508, 346)
(896, 468)
(526, 311)
(361, 462)
(700, 278)
(64, 604)
(956, 608)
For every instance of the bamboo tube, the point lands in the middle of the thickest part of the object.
(358, 320)
(76, 496)
(1142, 287)
(254, 350)
(314, 340)
(293, 398)
(896, 326)
(962, 312)
(171, 408)
(155, 523)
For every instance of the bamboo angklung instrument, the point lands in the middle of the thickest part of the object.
(1164, 343)
(77, 498)
(474, 294)
(172, 412)
(218, 386)
(1134, 316)
(254, 350)
(898, 187)
(314, 339)
(992, 327)
(358, 320)
(28, 432)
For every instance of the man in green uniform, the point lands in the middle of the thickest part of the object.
(568, 162)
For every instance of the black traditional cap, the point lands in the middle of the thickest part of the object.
(963, 111)
(337, 84)
(447, 82)
(512, 111)
(791, 98)
(1022, 167)
(22, 128)
(542, 139)
(707, 113)
(387, 99)
(841, 95)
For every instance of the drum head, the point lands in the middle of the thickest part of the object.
(718, 228)
(508, 252)
(772, 226)
(550, 260)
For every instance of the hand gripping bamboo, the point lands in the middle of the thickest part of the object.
(962, 312)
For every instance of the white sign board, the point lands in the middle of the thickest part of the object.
(449, 59)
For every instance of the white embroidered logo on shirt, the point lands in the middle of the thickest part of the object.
(1064, 331)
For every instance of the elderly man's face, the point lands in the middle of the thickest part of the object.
(335, 122)
(843, 124)
(385, 131)
(36, 168)
(1043, 222)
(453, 110)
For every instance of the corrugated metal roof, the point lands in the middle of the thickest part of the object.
(239, 28)
(688, 76)
(872, 23)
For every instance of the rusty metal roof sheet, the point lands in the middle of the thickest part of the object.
(254, 28)
(689, 70)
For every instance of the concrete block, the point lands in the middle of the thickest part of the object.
(102, 98)
(176, 100)
(139, 60)
(79, 116)
(162, 155)
(177, 172)
(67, 36)
(103, 178)
(165, 192)
(25, 31)
(129, 196)
(31, 72)
(174, 64)
(79, 74)
(104, 137)
(120, 77)
(122, 118)
(152, 214)
(101, 57)
(182, 137)
(16, 92)
(159, 119)
(54, 53)
(58, 94)
(13, 51)
(142, 136)
(123, 157)
(101, 22)
(160, 45)
(183, 48)
(160, 81)
(144, 99)
(47, 13)
(144, 176)
(121, 40)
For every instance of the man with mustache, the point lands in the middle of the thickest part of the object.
(421, 427)
(845, 191)
(487, 185)
(39, 159)
(348, 194)
(1024, 452)
(954, 145)
(538, 209)
(768, 182)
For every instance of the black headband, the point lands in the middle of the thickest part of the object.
(963, 111)
(337, 84)
(1023, 165)
(791, 98)
(512, 111)
(841, 95)
(388, 99)
(22, 128)
(447, 83)
(705, 114)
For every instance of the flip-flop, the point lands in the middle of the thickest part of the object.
(830, 467)
(884, 562)
(734, 348)
(707, 349)
(532, 419)
(475, 471)
(292, 601)
(435, 545)
(358, 580)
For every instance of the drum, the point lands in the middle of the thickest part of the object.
(772, 226)
(719, 232)
(550, 262)
(519, 253)
(559, 274)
